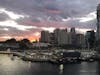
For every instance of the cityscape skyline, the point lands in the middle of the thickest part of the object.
(26, 19)
(49, 37)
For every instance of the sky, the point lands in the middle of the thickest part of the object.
(27, 18)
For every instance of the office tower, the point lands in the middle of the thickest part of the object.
(56, 35)
(72, 36)
(45, 36)
(61, 36)
(90, 38)
(80, 40)
(52, 39)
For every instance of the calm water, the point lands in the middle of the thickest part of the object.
(19, 67)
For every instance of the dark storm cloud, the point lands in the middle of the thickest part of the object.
(71, 7)
(67, 8)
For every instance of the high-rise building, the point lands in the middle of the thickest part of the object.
(90, 38)
(73, 30)
(98, 22)
(45, 36)
(56, 34)
(61, 36)
(80, 40)
(72, 36)
(52, 39)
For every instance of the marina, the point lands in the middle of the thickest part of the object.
(58, 57)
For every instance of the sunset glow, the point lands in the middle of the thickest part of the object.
(27, 20)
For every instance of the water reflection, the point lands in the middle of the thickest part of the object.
(98, 68)
(61, 69)
(19, 67)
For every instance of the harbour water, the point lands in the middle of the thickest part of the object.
(16, 66)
